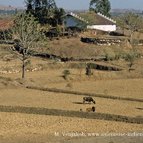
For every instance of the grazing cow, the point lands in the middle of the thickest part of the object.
(88, 99)
(90, 109)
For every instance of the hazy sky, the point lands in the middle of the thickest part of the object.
(83, 4)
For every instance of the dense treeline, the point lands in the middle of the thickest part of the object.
(102, 6)
(45, 11)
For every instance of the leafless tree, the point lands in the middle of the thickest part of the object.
(132, 22)
(25, 33)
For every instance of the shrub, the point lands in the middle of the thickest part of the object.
(109, 54)
(131, 56)
(88, 70)
(66, 73)
(5, 35)
(69, 85)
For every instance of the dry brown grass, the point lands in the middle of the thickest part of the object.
(121, 87)
(72, 48)
(34, 98)
(14, 126)
(28, 127)
(123, 84)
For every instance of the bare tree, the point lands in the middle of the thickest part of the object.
(25, 33)
(132, 22)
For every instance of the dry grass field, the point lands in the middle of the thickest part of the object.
(18, 127)
(33, 98)
(30, 127)
(37, 128)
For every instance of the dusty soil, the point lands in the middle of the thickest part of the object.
(122, 87)
(34, 98)
(16, 127)
(30, 128)
(35, 128)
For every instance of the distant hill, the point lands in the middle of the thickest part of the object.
(126, 10)
(118, 12)
(114, 12)
(9, 10)
(7, 7)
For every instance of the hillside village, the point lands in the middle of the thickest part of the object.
(70, 76)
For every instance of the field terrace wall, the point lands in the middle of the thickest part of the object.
(65, 113)
(102, 41)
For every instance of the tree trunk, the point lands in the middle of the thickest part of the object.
(63, 27)
(123, 31)
(23, 66)
(131, 38)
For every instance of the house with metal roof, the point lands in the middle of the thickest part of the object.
(92, 20)
(72, 20)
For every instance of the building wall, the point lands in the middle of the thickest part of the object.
(70, 21)
(107, 28)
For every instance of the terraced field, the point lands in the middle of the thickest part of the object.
(34, 115)
(35, 98)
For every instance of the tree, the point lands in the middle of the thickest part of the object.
(102, 6)
(131, 56)
(41, 9)
(131, 22)
(45, 11)
(58, 16)
(120, 23)
(29, 5)
(25, 33)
